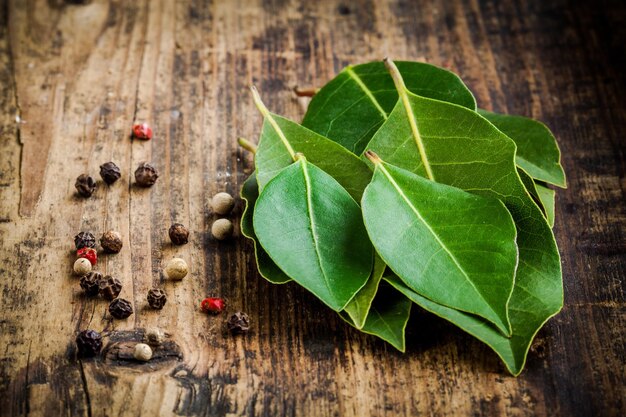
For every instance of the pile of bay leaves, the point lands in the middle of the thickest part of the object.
(395, 190)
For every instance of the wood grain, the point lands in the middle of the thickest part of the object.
(73, 79)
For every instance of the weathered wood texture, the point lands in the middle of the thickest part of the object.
(78, 75)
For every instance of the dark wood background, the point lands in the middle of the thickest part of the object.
(74, 77)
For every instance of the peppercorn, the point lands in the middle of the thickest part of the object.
(222, 203)
(157, 298)
(89, 343)
(212, 305)
(84, 240)
(176, 269)
(142, 131)
(88, 253)
(154, 336)
(90, 283)
(142, 352)
(239, 323)
(82, 266)
(146, 175)
(109, 287)
(85, 185)
(111, 242)
(110, 172)
(120, 308)
(179, 234)
(222, 229)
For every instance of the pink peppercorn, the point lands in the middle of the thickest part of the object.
(212, 305)
(88, 253)
(142, 131)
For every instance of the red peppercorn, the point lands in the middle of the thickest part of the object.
(212, 305)
(142, 131)
(88, 253)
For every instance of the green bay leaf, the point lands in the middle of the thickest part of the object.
(358, 308)
(267, 268)
(281, 139)
(458, 147)
(547, 197)
(388, 316)
(313, 230)
(455, 248)
(512, 350)
(537, 150)
(352, 106)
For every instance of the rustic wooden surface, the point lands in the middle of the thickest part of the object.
(77, 76)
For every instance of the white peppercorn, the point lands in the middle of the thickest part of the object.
(222, 203)
(142, 352)
(154, 336)
(82, 266)
(176, 269)
(222, 229)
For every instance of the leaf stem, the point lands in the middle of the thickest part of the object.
(372, 156)
(270, 118)
(305, 91)
(404, 96)
(247, 145)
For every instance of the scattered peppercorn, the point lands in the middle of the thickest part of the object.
(222, 229)
(146, 175)
(179, 234)
(142, 131)
(212, 305)
(89, 343)
(82, 266)
(157, 298)
(142, 352)
(176, 269)
(84, 240)
(110, 172)
(111, 242)
(239, 323)
(85, 185)
(109, 287)
(120, 308)
(222, 203)
(154, 336)
(88, 253)
(90, 283)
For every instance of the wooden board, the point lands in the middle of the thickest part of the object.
(73, 79)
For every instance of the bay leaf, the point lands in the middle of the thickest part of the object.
(537, 150)
(352, 106)
(313, 230)
(455, 248)
(358, 308)
(281, 139)
(547, 197)
(512, 350)
(266, 267)
(388, 316)
(455, 146)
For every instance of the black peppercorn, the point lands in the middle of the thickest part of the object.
(109, 287)
(111, 242)
(120, 308)
(146, 175)
(84, 240)
(157, 298)
(239, 323)
(90, 283)
(89, 343)
(179, 234)
(110, 172)
(85, 185)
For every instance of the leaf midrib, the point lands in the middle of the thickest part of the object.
(309, 203)
(435, 235)
(367, 91)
